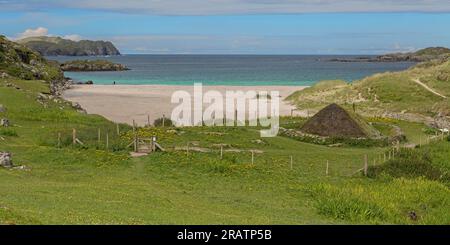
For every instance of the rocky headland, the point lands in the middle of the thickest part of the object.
(57, 46)
(92, 65)
(423, 55)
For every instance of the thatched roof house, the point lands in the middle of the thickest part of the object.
(335, 121)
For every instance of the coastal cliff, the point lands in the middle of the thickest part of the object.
(56, 46)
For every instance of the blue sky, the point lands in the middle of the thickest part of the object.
(237, 26)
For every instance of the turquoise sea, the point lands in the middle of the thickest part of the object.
(231, 69)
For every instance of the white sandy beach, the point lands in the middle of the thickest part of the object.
(125, 103)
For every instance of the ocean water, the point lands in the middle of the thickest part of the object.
(231, 69)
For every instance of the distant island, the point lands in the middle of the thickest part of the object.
(92, 65)
(423, 55)
(57, 46)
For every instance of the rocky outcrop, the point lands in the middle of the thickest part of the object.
(423, 55)
(6, 160)
(19, 61)
(4, 122)
(440, 122)
(78, 107)
(55, 46)
(57, 87)
(92, 65)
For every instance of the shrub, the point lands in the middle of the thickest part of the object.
(159, 122)
(430, 131)
(409, 163)
(8, 132)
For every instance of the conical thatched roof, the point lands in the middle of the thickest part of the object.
(335, 121)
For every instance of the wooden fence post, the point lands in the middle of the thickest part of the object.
(292, 160)
(327, 169)
(118, 129)
(98, 136)
(74, 136)
(253, 156)
(59, 140)
(365, 165)
(221, 152)
(164, 120)
(107, 140)
(135, 143)
(148, 120)
(153, 143)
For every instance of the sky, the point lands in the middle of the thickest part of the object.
(236, 26)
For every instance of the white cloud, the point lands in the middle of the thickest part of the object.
(40, 31)
(73, 37)
(215, 7)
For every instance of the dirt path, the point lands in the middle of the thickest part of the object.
(428, 88)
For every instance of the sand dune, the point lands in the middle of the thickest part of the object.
(125, 103)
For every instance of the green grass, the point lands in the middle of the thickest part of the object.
(410, 163)
(93, 185)
(394, 92)
(393, 202)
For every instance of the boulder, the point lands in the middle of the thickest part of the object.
(78, 107)
(6, 160)
(2, 108)
(4, 122)
(57, 87)
(440, 122)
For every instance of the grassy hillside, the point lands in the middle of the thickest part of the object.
(56, 182)
(391, 92)
(92, 185)
(422, 55)
(19, 61)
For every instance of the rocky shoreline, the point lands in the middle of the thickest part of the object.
(423, 55)
(92, 65)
